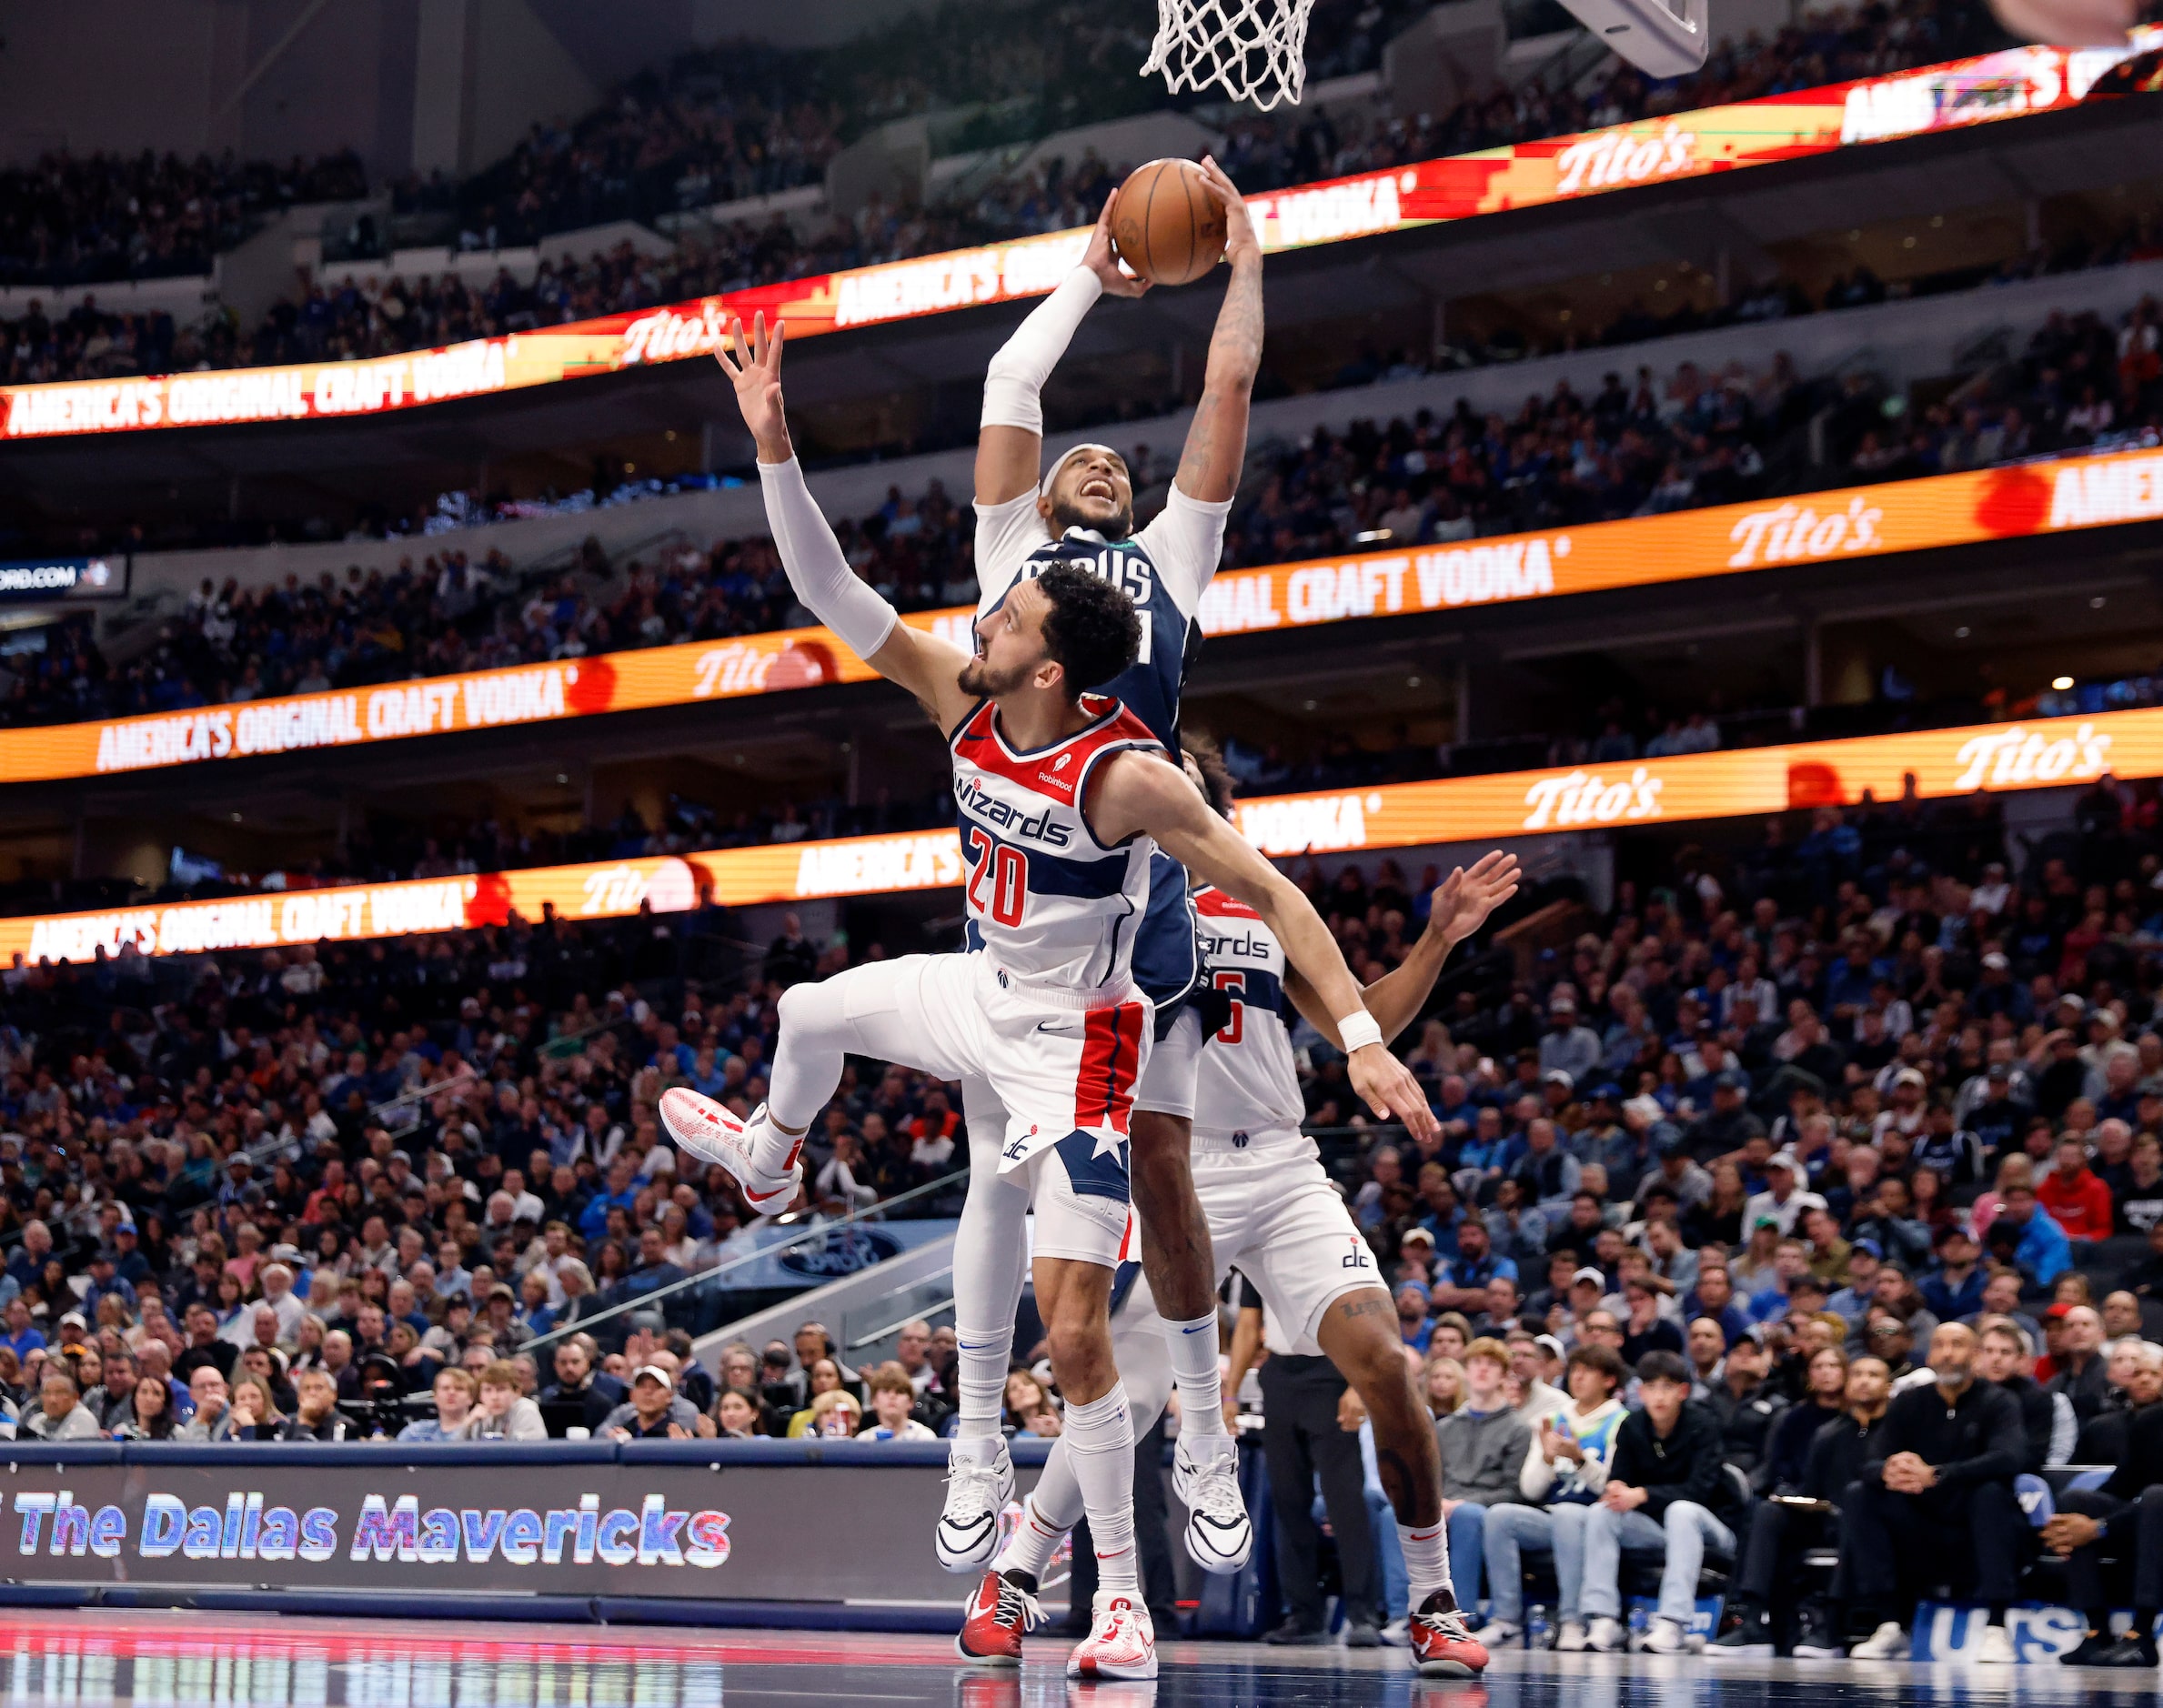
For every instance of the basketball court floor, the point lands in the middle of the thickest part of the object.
(178, 1660)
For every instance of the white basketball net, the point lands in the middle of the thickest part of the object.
(1255, 50)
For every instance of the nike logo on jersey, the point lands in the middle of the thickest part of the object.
(1055, 1026)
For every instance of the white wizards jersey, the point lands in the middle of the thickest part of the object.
(1247, 1086)
(1050, 904)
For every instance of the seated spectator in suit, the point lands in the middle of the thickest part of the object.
(1667, 1488)
(1938, 1486)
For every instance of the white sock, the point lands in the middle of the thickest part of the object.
(1199, 1375)
(982, 1374)
(1426, 1558)
(1037, 1537)
(1100, 1438)
(989, 1248)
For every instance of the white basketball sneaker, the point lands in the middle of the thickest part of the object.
(711, 1132)
(1205, 1474)
(979, 1482)
(1121, 1642)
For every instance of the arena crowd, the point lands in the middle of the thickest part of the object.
(1798, 1148)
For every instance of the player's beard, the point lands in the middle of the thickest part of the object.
(1117, 525)
(978, 677)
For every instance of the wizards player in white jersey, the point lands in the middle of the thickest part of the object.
(1274, 1214)
(1063, 796)
(1082, 513)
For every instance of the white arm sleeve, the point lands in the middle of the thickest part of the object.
(817, 570)
(1014, 382)
(1005, 536)
(1185, 542)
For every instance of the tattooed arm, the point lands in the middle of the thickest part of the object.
(1216, 449)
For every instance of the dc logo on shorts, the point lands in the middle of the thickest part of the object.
(1358, 1257)
(1239, 1141)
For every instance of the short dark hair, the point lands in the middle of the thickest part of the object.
(1658, 1366)
(1603, 1359)
(1092, 631)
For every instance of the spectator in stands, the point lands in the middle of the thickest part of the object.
(2111, 1540)
(505, 1413)
(2071, 1194)
(210, 1394)
(1937, 1487)
(1742, 1404)
(1805, 1511)
(1484, 1443)
(2003, 1356)
(1666, 1489)
(455, 1392)
(1563, 1473)
(2079, 1368)
(60, 1414)
(150, 1415)
(654, 1411)
(316, 1416)
(893, 1399)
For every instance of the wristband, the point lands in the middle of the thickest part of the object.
(1357, 1030)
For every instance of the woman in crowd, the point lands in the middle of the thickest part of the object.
(1443, 1384)
(151, 1417)
(823, 1377)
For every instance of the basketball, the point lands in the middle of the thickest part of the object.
(1165, 225)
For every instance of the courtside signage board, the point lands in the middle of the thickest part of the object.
(2010, 85)
(2022, 501)
(2041, 754)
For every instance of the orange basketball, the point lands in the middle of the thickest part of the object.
(1165, 225)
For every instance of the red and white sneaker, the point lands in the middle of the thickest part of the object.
(999, 1614)
(1121, 1642)
(711, 1132)
(1441, 1645)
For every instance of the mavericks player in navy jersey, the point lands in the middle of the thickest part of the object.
(1064, 797)
(1082, 513)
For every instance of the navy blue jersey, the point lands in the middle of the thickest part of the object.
(1165, 568)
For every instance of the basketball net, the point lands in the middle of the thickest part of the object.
(1255, 50)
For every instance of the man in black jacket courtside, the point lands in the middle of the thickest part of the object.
(1665, 1490)
(2109, 1534)
(1938, 1488)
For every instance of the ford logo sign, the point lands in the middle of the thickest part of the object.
(841, 1251)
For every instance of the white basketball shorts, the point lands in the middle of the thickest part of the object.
(1063, 1069)
(1274, 1216)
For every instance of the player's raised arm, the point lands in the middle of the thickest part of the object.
(1460, 906)
(1011, 439)
(1216, 449)
(1141, 793)
(927, 667)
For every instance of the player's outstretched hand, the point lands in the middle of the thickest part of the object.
(1102, 260)
(1386, 1086)
(755, 370)
(1462, 904)
(1239, 227)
